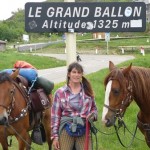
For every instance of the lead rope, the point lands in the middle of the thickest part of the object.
(94, 130)
(21, 137)
(10, 142)
(128, 130)
(87, 134)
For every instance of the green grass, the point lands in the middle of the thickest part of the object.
(105, 142)
(89, 46)
(110, 142)
(9, 57)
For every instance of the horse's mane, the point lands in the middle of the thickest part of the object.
(140, 79)
(4, 76)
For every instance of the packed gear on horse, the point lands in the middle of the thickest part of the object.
(38, 91)
(17, 116)
(23, 64)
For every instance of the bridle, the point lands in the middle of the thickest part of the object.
(119, 112)
(10, 107)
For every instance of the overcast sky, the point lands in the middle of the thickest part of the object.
(8, 6)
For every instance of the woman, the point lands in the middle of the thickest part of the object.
(73, 104)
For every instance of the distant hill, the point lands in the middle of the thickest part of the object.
(13, 28)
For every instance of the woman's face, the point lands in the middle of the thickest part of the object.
(75, 76)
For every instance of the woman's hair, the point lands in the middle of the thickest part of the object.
(86, 84)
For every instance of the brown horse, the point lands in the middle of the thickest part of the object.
(122, 86)
(14, 114)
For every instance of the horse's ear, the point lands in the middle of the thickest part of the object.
(126, 70)
(111, 66)
(15, 74)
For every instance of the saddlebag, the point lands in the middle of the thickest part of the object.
(39, 100)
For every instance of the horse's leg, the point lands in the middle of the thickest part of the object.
(47, 126)
(3, 142)
(3, 138)
(24, 141)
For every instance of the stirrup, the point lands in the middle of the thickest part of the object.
(36, 136)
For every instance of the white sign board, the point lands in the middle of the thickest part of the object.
(26, 37)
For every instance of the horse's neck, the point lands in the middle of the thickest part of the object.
(143, 107)
(140, 92)
(145, 118)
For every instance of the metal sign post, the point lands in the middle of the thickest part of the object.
(107, 39)
(70, 43)
(71, 47)
(107, 48)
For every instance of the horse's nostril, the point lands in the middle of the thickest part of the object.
(4, 121)
(108, 123)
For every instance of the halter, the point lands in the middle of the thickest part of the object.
(119, 113)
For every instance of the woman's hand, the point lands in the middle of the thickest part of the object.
(91, 116)
(56, 145)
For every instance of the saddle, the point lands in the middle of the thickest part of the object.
(37, 97)
(38, 101)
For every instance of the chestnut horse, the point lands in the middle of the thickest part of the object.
(14, 114)
(123, 85)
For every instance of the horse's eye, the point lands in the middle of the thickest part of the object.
(11, 91)
(116, 91)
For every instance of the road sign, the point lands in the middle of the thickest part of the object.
(107, 36)
(85, 17)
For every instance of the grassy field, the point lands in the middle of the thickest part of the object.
(110, 142)
(89, 46)
(105, 142)
(86, 44)
(9, 57)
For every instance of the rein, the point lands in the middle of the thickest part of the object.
(20, 136)
(122, 123)
(95, 130)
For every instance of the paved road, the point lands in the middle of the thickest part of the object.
(90, 63)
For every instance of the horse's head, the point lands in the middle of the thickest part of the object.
(7, 91)
(117, 94)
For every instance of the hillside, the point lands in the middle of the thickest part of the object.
(12, 29)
